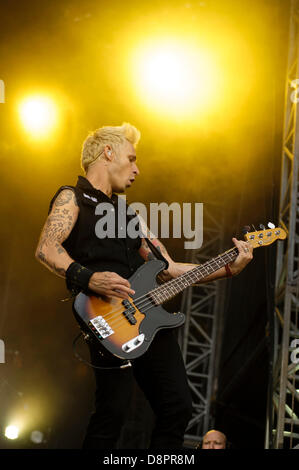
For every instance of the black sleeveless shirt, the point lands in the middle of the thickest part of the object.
(116, 254)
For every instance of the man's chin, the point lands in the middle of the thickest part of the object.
(123, 189)
(120, 190)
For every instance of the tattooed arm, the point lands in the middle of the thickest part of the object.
(51, 253)
(57, 228)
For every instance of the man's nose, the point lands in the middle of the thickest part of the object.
(136, 170)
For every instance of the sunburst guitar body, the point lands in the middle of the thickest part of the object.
(126, 328)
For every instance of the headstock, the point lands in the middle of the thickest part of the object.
(264, 237)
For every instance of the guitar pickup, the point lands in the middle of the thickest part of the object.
(129, 312)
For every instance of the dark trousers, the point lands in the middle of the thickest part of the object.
(161, 375)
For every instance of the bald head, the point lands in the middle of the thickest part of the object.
(214, 440)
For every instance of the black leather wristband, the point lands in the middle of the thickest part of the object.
(77, 277)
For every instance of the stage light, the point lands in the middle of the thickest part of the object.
(175, 77)
(11, 432)
(167, 73)
(36, 437)
(38, 115)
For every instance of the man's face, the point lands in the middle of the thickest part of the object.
(214, 440)
(123, 169)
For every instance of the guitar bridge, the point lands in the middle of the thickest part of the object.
(100, 327)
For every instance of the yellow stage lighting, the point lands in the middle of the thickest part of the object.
(167, 74)
(38, 115)
(175, 77)
(11, 432)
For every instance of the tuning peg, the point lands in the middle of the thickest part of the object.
(262, 227)
(270, 225)
(246, 229)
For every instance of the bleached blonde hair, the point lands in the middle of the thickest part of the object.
(114, 136)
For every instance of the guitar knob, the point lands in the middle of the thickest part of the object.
(262, 227)
(270, 225)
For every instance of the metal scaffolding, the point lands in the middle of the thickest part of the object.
(200, 340)
(283, 417)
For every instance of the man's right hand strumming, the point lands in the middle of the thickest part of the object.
(110, 284)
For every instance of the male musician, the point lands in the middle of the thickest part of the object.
(69, 246)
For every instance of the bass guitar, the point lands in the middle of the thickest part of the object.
(126, 328)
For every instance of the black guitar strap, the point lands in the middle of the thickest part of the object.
(156, 252)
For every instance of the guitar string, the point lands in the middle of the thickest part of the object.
(174, 283)
(149, 300)
(116, 320)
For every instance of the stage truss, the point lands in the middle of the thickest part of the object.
(283, 418)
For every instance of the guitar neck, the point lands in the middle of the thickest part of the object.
(171, 288)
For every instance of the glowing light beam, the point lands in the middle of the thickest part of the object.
(38, 115)
(11, 432)
(175, 77)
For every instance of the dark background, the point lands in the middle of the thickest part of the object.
(233, 156)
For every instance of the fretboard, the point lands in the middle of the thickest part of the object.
(171, 288)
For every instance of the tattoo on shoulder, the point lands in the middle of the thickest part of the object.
(64, 197)
(57, 227)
